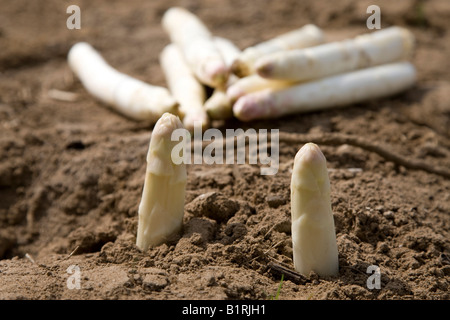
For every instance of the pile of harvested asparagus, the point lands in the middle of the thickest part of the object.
(295, 72)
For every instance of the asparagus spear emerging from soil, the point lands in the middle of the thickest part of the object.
(162, 205)
(313, 233)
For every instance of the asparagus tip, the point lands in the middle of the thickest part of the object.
(166, 124)
(310, 153)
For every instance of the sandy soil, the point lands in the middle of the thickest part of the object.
(71, 173)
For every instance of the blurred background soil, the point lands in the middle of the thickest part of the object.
(71, 172)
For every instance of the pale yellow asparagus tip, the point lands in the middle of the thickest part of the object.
(162, 205)
(164, 127)
(234, 92)
(256, 105)
(264, 68)
(196, 44)
(313, 230)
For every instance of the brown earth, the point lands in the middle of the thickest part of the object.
(71, 173)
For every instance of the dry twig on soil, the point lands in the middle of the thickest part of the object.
(338, 139)
(288, 273)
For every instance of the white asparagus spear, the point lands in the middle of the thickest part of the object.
(313, 231)
(185, 88)
(128, 96)
(195, 41)
(253, 83)
(380, 47)
(162, 204)
(307, 36)
(219, 106)
(335, 91)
